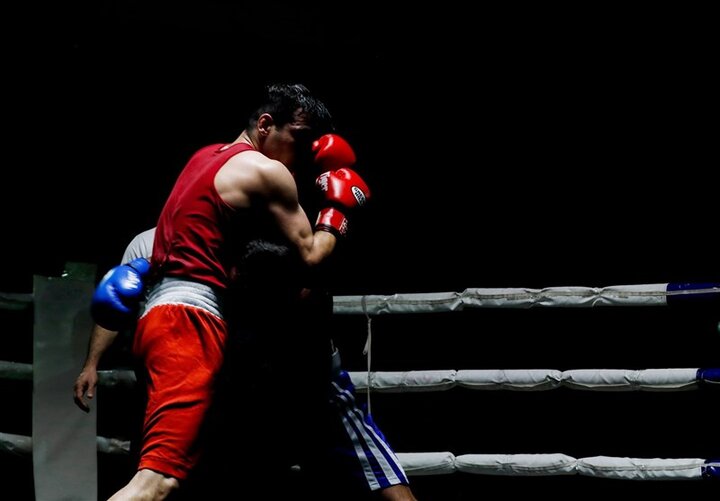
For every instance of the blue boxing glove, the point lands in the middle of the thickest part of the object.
(116, 300)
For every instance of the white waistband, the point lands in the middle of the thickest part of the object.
(178, 291)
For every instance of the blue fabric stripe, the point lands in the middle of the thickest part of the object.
(681, 292)
(365, 440)
(712, 470)
(711, 374)
(368, 459)
(368, 435)
(365, 459)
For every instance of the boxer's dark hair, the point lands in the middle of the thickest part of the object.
(266, 266)
(282, 101)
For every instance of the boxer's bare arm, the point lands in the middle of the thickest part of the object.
(251, 178)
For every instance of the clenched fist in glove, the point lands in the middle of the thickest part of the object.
(333, 152)
(116, 300)
(344, 191)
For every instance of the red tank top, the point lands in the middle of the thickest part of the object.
(198, 233)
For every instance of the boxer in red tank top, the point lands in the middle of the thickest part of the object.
(222, 196)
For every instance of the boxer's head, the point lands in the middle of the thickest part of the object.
(285, 125)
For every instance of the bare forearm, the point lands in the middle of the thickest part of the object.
(323, 244)
(100, 340)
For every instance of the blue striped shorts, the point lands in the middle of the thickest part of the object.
(359, 450)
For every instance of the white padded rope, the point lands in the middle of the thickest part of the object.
(530, 380)
(21, 445)
(444, 463)
(435, 463)
(441, 463)
(577, 297)
(491, 379)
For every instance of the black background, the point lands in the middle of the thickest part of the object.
(526, 147)
(529, 146)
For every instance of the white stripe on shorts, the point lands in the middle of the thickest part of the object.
(361, 433)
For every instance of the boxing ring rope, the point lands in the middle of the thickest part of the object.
(439, 463)
(661, 294)
(442, 380)
(15, 301)
(490, 464)
(537, 380)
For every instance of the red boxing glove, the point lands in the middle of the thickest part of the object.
(345, 191)
(333, 152)
(332, 221)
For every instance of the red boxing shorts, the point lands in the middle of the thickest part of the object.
(180, 339)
